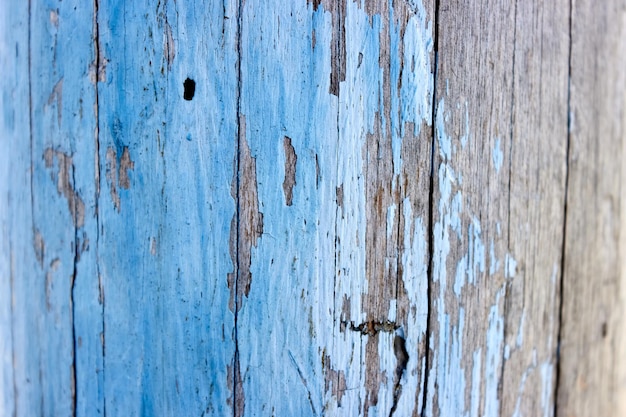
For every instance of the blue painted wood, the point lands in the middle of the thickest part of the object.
(239, 208)
(165, 216)
(16, 254)
(55, 341)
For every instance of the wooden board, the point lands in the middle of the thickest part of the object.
(315, 207)
(592, 378)
(165, 205)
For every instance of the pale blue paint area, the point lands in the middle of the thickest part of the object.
(494, 263)
(164, 250)
(510, 266)
(494, 342)
(476, 259)
(473, 263)
(460, 275)
(475, 394)
(497, 156)
(547, 376)
(455, 210)
(391, 218)
(450, 376)
(445, 144)
(519, 340)
(466, 136)
(447, 377)
(288, 312)
(414, 266)
(20, 288)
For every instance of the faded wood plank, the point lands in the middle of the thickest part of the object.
(538, 150)
(288, 130)
(592, 370)
(165, 204)
(501, 139)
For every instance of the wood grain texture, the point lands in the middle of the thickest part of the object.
(592, 373)
(356, 116)
(56, 335)
(314, 207)
(165, 216)
(501, 133)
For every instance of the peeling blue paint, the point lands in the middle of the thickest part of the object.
(497, 155)
(510, 266)
(494, 353)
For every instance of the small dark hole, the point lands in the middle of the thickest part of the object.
(605, 329)
(190, 89)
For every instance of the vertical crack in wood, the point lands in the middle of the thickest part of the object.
(507, 284)
(431, 213)
(238, 397)
(101, 298)
(74, 386)
(565, 195)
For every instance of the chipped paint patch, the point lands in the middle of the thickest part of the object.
(334, 381)
(116, 173)
(247, 223)
(65, 184)
(39, 246)
(233, 378)
(475, 395)
(494, 343)
(497, 155)
(510, 266)
(291, 160)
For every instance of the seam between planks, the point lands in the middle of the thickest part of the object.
(237, 206)
(431, 241)
(96, 43)
(565, 196)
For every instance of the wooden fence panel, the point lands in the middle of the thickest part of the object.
(313, 207)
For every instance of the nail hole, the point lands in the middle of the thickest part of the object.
(190, 89)
(604, 329)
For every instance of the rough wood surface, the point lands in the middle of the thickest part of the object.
(312, 207)
(592, 379)
(501, 130)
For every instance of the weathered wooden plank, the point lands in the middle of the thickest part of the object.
(285, 267)
(498, 214)
(347, 88)
(166, 164)
(53, 219)
(470, 213)
(382, 225)
(538, 150)
(592, 373)
(17, 256)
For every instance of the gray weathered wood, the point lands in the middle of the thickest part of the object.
(592, 379)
